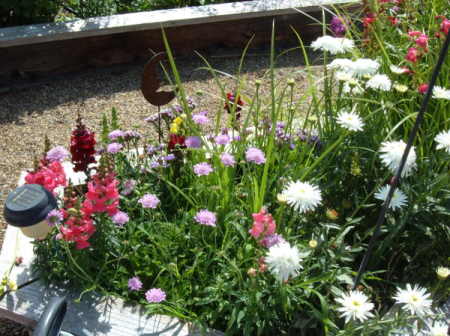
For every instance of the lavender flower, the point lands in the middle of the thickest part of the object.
(54, 217)
(202, 169)
(129, 135)
(155, 164)
(222, 139)
(149, 201)
(200, 119)
(116, 134)
(255, 155)
(227, 159)
(155, 295)
(169, 157)
(128, 187)
(134, 283)
(193, 142)
(154, 117)
(120, 218)
(205, 217)
(114, 148)
(58, 153)
(337, 26)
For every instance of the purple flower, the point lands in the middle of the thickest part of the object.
(272, 240)
(205, 217)
(59, 153)
(155, 164)
(237, 138)
(200, 119)
(222, 139)
(134, 283)
(128, 135)
(155, 295)
(227, 159)
(337, 26)
(169, 157)
(202, 169)
(120, 218)
(152, 118)
(54, 217)
(255, 155)
(149, 201)
(114, 148)
(128, 187)
(193, 142)
(116, 134)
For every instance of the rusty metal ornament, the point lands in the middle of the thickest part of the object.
(151, 83)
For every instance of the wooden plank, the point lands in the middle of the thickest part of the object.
(26, 322)
(15, 36)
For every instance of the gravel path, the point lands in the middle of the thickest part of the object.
(26, 116)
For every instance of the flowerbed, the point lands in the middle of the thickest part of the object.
(259, 226)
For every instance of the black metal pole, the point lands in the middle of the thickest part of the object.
(394, 184)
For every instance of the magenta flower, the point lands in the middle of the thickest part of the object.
(120, 218)
(54, 217)
(227, 159)
(155, 295)
(58, 153)
(134, 283)
(116, 134)
(200, 119)
(222, 139)
(205, 217)
(337, 27)
(202, 169)
(149, 201)
(193, 142)
(114, 148)
(255, 155)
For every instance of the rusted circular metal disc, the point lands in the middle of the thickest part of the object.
(151, 83)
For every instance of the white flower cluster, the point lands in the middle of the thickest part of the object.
(302, 196)
(283, 261)
(333, 45)
(391, 155)
(350, 121)
(441, 93)
(398, 199)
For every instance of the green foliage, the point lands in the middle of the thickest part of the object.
(20, 12)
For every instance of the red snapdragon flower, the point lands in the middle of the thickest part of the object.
(263, 224)
(77, 228)
(175, 140)
(412, 55)
(231, 102)
(50, 176)
(369, 19)
(394, 21)
(422, 88)
(102, 195)
(82, 147)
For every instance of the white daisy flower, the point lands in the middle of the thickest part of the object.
(439, 329)
(397, 70)
(441, 93)
(364, 66)
(443, 140)
(343, 64)
(334, 45)
(415, 299)
(302, 196)
(391, 155)
(350, 121)
(380, 82)
(398, 200)
(343, 76)
(355, 306)
(283, 261)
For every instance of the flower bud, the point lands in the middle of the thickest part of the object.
(442, 273)
(313, 243)
(258, 82)
(332, 214)
(252, 272)
(291, 82)
(281, 198)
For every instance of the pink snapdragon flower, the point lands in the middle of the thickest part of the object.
(102, 195)
(263, 224)
(412, 55)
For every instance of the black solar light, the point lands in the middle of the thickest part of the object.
(27, 208)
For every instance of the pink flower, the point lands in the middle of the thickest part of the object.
(49, 176)
(200, 119)
(422, 41)
(445, 26)
(227, 159)
(114, 148)
(255, 155)
(134, 283)
(206, 217)
(263, 224)
(149, 201)
(57, 153)
(222, 139)
(412, 55)
(423, 88)
(102, 195)
(128, 187)
(202, 169)
(120, 218)
(155, 295)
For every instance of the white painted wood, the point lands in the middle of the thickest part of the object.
(31, 34)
